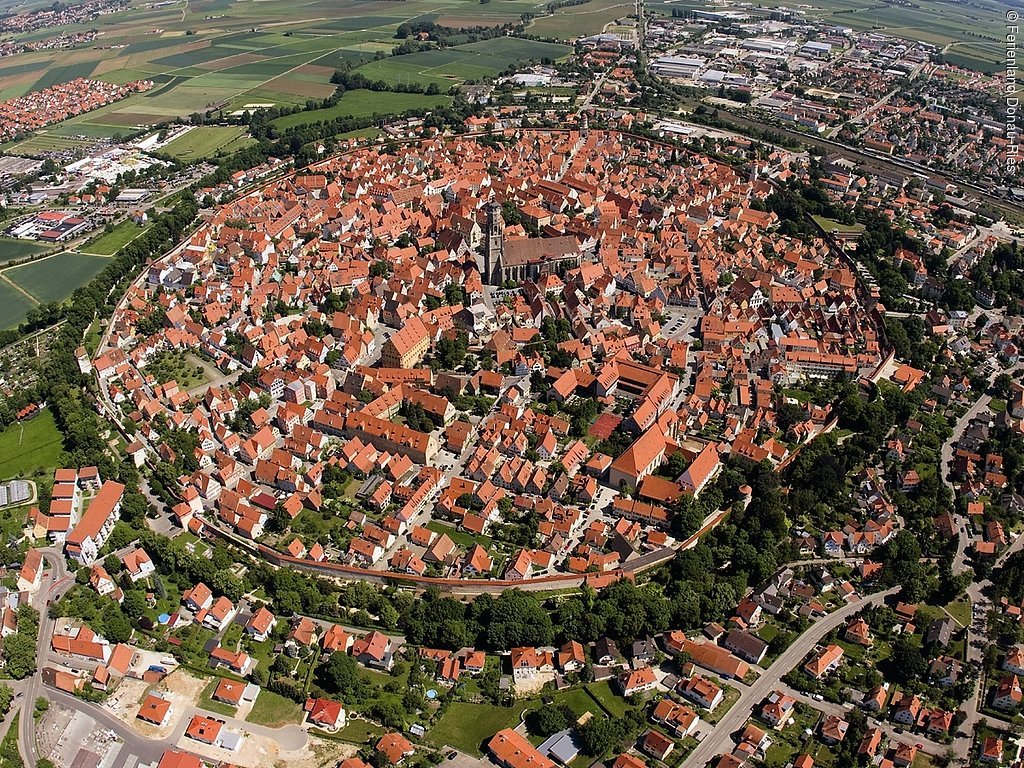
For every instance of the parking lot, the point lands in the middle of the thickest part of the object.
(680, 322)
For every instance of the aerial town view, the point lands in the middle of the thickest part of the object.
(511, 384)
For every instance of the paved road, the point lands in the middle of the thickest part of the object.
(56, 582)
(719, 739)
(828, 708)
(975, 655)
(946, 460)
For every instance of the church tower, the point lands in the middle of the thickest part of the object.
(494, 245)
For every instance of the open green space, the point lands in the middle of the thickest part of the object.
(55, 278)
(360, 731)
(30, 447)
(960, 610)
(829, 224)
(203, 142)
(12, 522)
(572, 21)
(608, 699)
(178, 366)
(223, 54)
(57, 75)
(46, 142)
(465, 726)
(448, 66)
(109, 243)
(274, 710)
(364, 104)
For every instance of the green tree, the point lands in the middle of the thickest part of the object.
(517, 619)
(20, 654)
(550, 719)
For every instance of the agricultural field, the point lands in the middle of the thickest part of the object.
(205, 141)
(364, 104)
(12, 250)
(14, 304)
(54, 278)
(588, 19)
(250, 53)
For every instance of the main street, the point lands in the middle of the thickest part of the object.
(719, 739)
(56, 582)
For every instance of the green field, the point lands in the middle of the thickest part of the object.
(466, 726)
(12, 250)
(364, 104)
(572, 21)
(31, 447)
(238, 52)
(273, 710)
(56, 278)
(206, 142)
(462, 62)
(14, 305)
(109, 243)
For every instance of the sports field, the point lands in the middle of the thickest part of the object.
(55, 278)
(205, 141)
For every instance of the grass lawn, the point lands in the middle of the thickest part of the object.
(204, 141)
(461, 538)
(273, 710)
(731, 696)
(610, 700)
(207, 703)
(829, 224)
(359, 731)
(178, 366)
(960, 610)
(579, 701)
(9, 746)
(109, 243)
(466, 726)
(12, 522)
(30, 447)
(768, 632)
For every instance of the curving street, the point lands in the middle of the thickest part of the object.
(719, 739)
